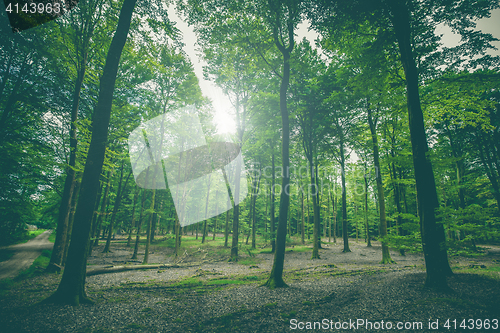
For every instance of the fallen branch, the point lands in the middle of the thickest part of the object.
(117, 269)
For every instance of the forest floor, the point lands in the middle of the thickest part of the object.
(340, 292)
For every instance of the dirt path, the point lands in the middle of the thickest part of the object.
(24, 255)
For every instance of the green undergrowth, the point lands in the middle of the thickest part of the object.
(52, 237)
(328, 270)
(38, 266)
(29, 235)
(201, 283)
(298, 248)
(491, 271)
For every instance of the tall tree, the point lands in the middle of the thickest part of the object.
(71, 289)
(78, 26)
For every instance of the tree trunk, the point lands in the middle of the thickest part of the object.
(148, 229)
(303, 220)
(121, 189)
(386, 256)
(71, 290)
(62, 237)
(276, 277)
(367, 226)
(226, 228)
(397, 200)
(132, 223)
(433, 237)
(139, 224)
(316, 227)
(328, 223)
(104, 204)
(216, 214)
(345, 235)
(273, 224)
(74, 201)
(254, 209)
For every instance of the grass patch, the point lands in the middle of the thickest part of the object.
(491, 272)
(199, 284)
(300, 248)
(37, 267)
(5, 286)
(52, 237)
(248, 261)
(29, 235)
(288, 315)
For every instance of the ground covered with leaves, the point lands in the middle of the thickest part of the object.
(205, 293)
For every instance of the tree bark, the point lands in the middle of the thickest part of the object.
(345, 235)
(148, 229)
(386, 256)
(367, 226)
(276, 277)
(132, 223)
(121, 189)
(71, 290)
(100, 218)
(254, 208)
(273, 223)
(433, 236)
(62, 236)
(316, 227)
(139, 225)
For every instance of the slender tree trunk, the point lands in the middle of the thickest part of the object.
(276, 277)
(386, 256)
(273, 226)
(226, 228)
(139, 224)
(74, 201)
(177, 236)
(216, 214)
(62, 237)
(148, 229)
(397, 200)
(334, 211)
(95, 217)
(266, 220)
(308, 216)
(368, 237)
(254, 210)
(303, 220)
(132, 223)
(104, 205)
(72, 286)
(318, 200)
(121, 189)
(345, 235)
(316, 226)
(328, 223)
(206, 213)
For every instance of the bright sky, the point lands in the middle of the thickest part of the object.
(223, 109)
